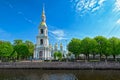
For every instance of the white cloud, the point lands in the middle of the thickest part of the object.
(58, 34)
(118, 21)
(117, 6)
(84, 6)
(29, 20)
(92, 3)
(61, 38)
(94, 9)
(100, 2)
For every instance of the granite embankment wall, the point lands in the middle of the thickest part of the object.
(61, 65)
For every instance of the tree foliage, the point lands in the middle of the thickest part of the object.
(6, 49)
(58, 55)
(114, 46)
(86, 46)
(102, 45)
(23, 49)
(74, 46)
(97, 45)
(30, 47)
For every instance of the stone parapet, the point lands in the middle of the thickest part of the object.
(61, 65)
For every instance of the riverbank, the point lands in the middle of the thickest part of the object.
(38, 74)
(61, 65)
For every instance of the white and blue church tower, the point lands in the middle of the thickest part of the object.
(42, 50)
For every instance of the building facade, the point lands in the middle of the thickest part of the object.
(56, 48)
(43, 50)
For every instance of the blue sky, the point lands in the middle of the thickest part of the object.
(19, 19)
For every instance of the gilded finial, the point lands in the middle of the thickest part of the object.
(43, 10)
(43, 14)
(43, 23)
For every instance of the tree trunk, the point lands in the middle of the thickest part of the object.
(19, 58)
(85, 57)
(114, 57)
(75, 58)
(100, 56)
(88, 57)
(106, 57)
(93, 56)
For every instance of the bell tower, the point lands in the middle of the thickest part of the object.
(42, 50)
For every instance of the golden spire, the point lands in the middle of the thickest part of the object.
(43, 14)
(43, 23)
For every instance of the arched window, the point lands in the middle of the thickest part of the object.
(42, 31)
(40, 54)
(41, 41)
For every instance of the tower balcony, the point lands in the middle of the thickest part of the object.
(42, 36)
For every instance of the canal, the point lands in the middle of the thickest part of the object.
(38, 74)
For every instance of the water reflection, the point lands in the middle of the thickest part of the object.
(59, 76)
(37, 74)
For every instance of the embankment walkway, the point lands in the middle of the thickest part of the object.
(61, 65)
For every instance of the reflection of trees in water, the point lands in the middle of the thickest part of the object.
(37, 74)
(45, 77)
(58, 76)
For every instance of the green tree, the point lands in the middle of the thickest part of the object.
(87, 46)
(114, 46)
(74, 46)
(102, 45)
(30, 47)
(55, 55)
(18, 42)
(6, 49)
(58, 55)
(93, 47)
(14, 54)
(118, 51)
(22, 51)
(107, 49)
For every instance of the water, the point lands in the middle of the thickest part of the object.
(37, 74)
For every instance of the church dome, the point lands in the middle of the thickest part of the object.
(43, 24)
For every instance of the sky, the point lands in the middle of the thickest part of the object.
(66, 19)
